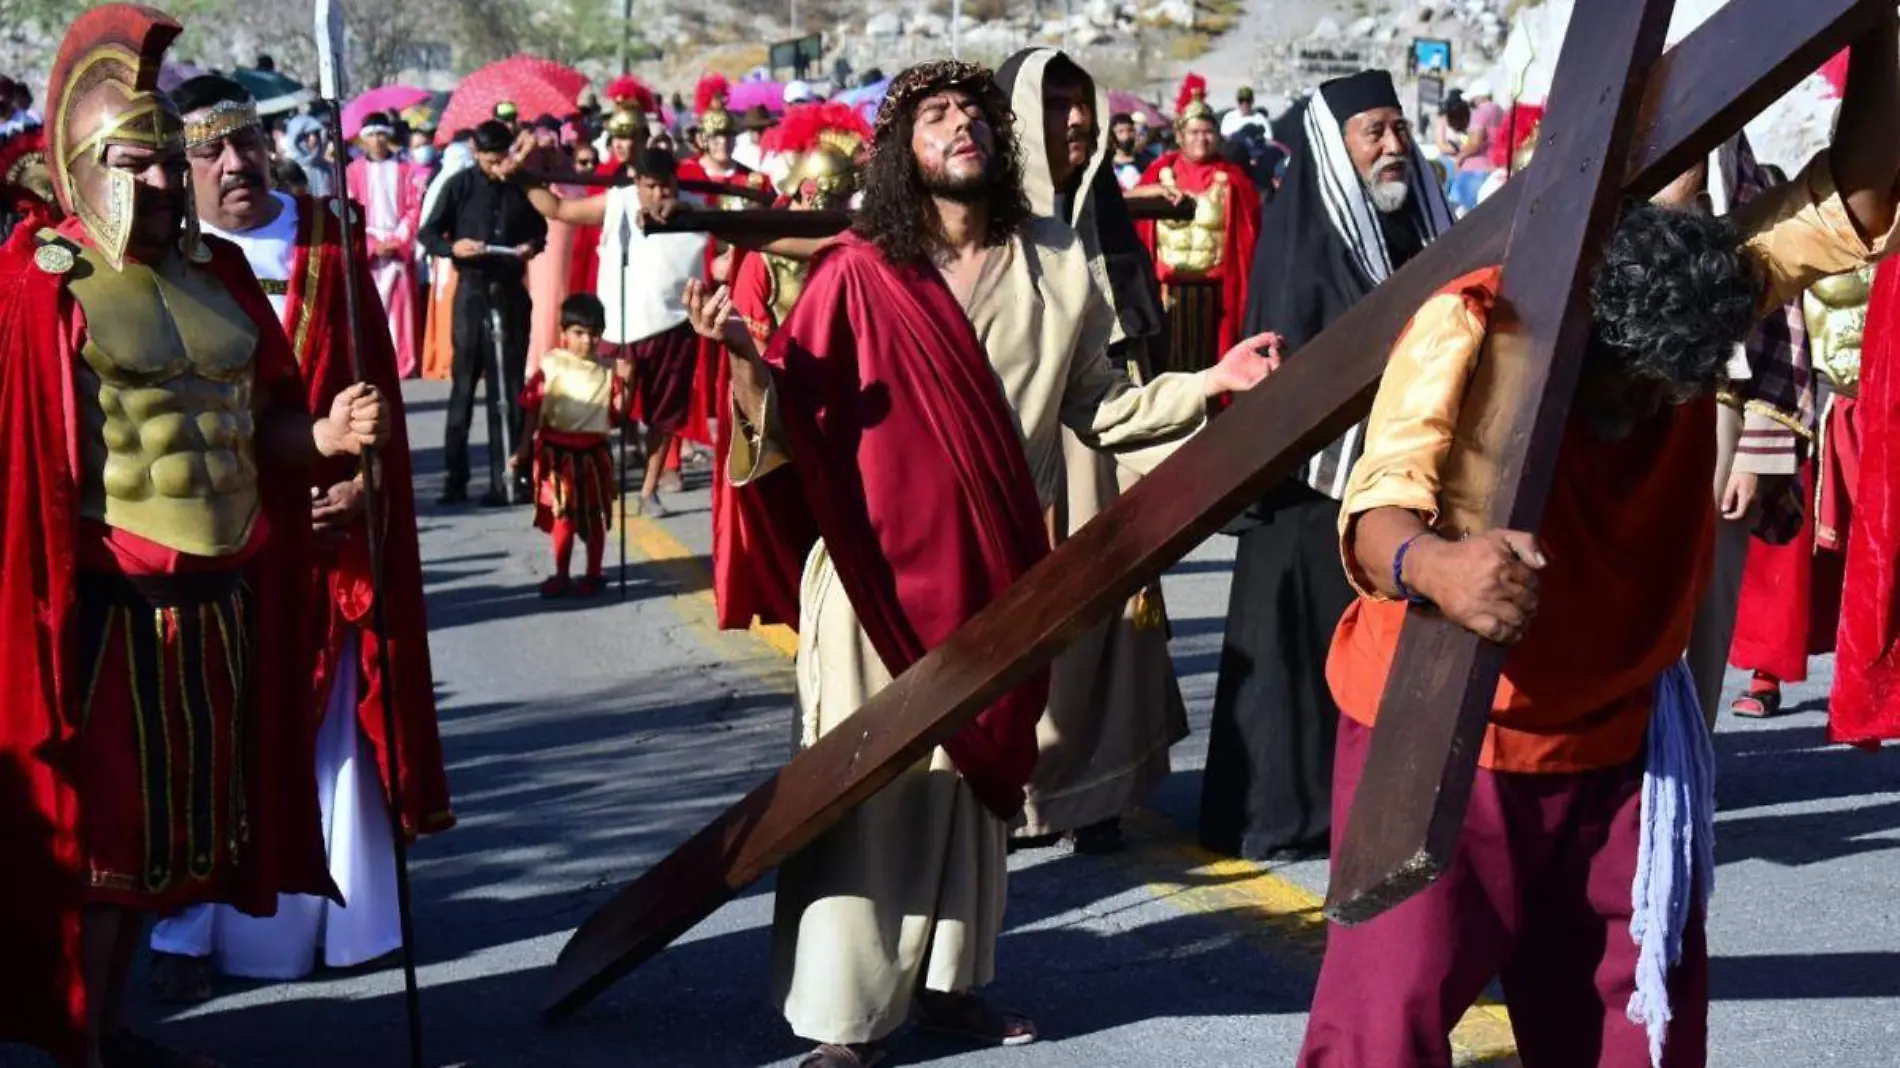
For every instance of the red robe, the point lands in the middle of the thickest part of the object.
(759, 539)
(313, 314)
(1865, 706)
(912, 467)
(42, 1000)
(705, 408)
(1243, 230)
(584, 276)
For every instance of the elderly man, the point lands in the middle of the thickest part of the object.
(1358, 202)
(294, 246)
(1568, 884)
(157, 453)
(916, 390)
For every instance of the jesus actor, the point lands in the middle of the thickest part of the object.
(917, 390)
(1583, 873)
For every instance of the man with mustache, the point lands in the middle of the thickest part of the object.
(157, 452)
(1202, 263)
(387, 189)
(1114, 705)
(1358, 202)
(294, 246)
(916, 391)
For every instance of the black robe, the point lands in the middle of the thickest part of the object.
(1267, 791)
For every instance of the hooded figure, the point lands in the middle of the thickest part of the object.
(316, 167)
(1324, 244)
(1114, 704)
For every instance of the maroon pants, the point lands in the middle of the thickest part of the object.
(1539, 896)
(663, 368)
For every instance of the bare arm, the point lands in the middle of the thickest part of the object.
(1866, 151)
(711, 313)
(579, 211)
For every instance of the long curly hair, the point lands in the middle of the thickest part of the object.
(897, 214)
(1673, 296)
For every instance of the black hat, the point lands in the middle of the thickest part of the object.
(1365, 91)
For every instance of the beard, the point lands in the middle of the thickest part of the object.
(960, 189)
(1388, 196)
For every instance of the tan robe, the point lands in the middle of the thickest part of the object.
(909, 886)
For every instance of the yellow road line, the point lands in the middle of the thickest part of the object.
(1277, 911)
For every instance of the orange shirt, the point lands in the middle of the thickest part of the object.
(1627, 530)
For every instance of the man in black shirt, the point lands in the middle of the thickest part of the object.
(485, 222)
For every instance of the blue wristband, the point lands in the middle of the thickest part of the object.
(1398, 571)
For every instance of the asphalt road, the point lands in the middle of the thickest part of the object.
(585, 739)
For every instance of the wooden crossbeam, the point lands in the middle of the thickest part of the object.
(1698, 94)
(1408, 814)
(766, 225)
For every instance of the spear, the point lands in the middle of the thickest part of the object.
(332, 47)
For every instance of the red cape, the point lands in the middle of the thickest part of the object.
(1243, 230)
(313, 315)
(912, 466)
(584, 274)
(1865, 707)
(760, 538)
(706, 404)
(41, 996)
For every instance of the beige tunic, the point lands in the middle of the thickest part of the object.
(909, 886)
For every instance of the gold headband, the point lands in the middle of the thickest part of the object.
(220, 121)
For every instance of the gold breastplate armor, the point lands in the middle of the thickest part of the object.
(575, 394)
(787, 279)
(1836, 312)
(164, 392)
(1195, 247)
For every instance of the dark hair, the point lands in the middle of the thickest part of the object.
(657, 164)
(206, 90)
(265, 62)
(1457, 109)
(378, 118)
(493, 136)
(289, 176)
(898, 215)
(1673, 296)
(585, 311)
(464, 134)
(1119, 118)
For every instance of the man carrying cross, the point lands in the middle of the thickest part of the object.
(918, 387)
(1594, 711)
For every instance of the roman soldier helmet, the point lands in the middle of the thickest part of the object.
(632, 102)
(827, 141)
(711, 93)
(716, 120)
(104, 91)
(1191, 102)
(26, 182)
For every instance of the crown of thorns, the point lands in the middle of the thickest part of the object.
(928, 79)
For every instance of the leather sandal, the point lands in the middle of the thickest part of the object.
(1762, 700)
(856, 1055)
(969, 1017)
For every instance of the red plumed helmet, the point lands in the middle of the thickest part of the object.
(1193, 88)
(632, 94)
(805, 125)
(712, 87)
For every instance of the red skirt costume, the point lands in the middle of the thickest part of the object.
(575, 402)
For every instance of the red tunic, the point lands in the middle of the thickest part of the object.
(313, 311)
(704, 407)
(41, 996)
(573, 470)
(1243, 229)
(1865, 706)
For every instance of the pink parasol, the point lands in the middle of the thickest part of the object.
(535, 86)
(746, 95)
(1121, 101)
(390, 99)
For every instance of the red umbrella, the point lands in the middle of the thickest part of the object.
(535, 86)
(390, 99)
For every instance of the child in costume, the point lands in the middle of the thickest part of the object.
(572, 404)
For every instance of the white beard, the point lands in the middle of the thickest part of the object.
(1388, 197)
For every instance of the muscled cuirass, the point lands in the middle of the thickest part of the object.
(164, 390)
(787, 279)
(1197, 246)
(1836, 312)
(576, 394)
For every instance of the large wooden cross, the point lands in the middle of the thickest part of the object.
(1621, 122)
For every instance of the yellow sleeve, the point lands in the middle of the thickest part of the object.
(1801, 232)
(1413, 421)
